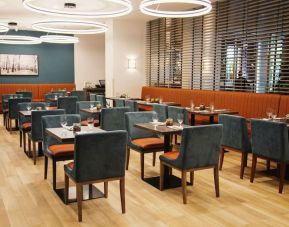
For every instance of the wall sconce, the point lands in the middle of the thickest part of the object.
(131, 63)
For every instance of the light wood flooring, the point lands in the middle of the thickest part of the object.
(26, 199)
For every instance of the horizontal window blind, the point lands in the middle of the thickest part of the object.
(240, 46)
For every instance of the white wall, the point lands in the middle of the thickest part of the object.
(89, 59)
(124, 39)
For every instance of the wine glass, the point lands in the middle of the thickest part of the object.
(147, 98)
(269, 113)
(192, 105)
(180, 118)
(274, 115)
(63, 121)
(155, 118)
(160, 99)
(212, 107)
(91, 105)
(28, 107)
(90, 122)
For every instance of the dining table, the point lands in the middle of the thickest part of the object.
(170, 181)
(145, 103)
(67, 135)
(208, 113)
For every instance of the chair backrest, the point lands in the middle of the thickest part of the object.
(270, 139)
(113, 118)
(235, 133)
(84, 105)
(13, 106)
(53, 121)
(133, 118)
(119, 103)
(59, 93)
(25, 94)
(23, 106)
(100, 155)
(92, 97)
(36, 129)
(200, 146)
(68, 104)
(132, 105)
(81, 95)
(161, 110)
(102, 100)
(173, 112)
(5, 100)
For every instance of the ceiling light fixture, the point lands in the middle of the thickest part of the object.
(22, 40)
(61, 39)
(13, 26)
(146, 8)
(70, 27)
(4, 28)
(46, 7)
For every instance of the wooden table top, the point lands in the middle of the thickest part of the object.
(27, 113)
(152, 103)
(128, 98)
(161, 128)
(207, 112)
(65, 135)
(278, 119)
(91, 111)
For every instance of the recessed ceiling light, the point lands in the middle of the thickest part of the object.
(4, 28)
(61, 39)
(84, 8)
(146, 7)
(70, 27)
(22, 40)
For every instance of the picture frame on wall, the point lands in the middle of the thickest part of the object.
(18, 65)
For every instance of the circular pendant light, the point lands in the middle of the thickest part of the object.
(4, 28)
(61, 39)
(70, 27)
(80, 8)
(21, 40)
(147, 7)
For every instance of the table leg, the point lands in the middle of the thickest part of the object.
(192, 119)
(212, 119)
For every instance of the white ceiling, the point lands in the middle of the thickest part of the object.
(13, 10)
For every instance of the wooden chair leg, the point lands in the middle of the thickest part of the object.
(122, 194)
(45, 166)
(79, 198)
(154, 158)
(127, 157)
(184, 186)
(253, 169)
(268, 164)
(176, 139)
(192, 176)
(105, 187)
(216, 180)
(20, 138)
(54, 174)
(66, 188)
(243, 162)
(246, 160)
(24, 141)
(142, 165)
(34, 152)
(162, 169)
(221, 158)
(282, 175)
(29, 146)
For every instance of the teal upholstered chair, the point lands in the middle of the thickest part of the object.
(98, 157)
(13, 110)
(25, 94)
(132, 105)
(25, 122)
(235, 138)
(49, 96)
(119, 103)
(200, 147)
(68, 104)
(141, 140)
(36, 134)
(54, 149)
(86, 105)
(102, 100)
(270, 141)
(113, 118)
(81, 95)
(5, 106)
(161, 110)
(60, 93)
(92, 97)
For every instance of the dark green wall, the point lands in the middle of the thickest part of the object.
(55, 61)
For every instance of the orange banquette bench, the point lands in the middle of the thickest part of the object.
(248, 105)
(38, 90)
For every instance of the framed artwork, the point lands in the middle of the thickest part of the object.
(18, 65)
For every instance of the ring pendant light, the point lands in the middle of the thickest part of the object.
(4, 28)
(125, 4)
(146, 8)
(21, 40)
(61, 39)
(84, 27)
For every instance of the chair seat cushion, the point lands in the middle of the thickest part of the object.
(84, 123)
(171, 155)
(26, 126)
(61, 149)
(70, 165)
(149, 143)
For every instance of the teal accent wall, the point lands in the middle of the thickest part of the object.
(55, 61)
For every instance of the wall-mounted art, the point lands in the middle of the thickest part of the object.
(18, 65)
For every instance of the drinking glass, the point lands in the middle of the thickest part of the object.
(155, 117)
(180, 118)
(55, 97)
(147, 98)
(192, 105)
(63, 121)
(28, 107)
(274, 114)
(212, 107)
(90, 122)
(269, 113)
(91, 105)
(161, 99)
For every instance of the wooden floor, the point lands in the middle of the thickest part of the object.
(26, 199)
